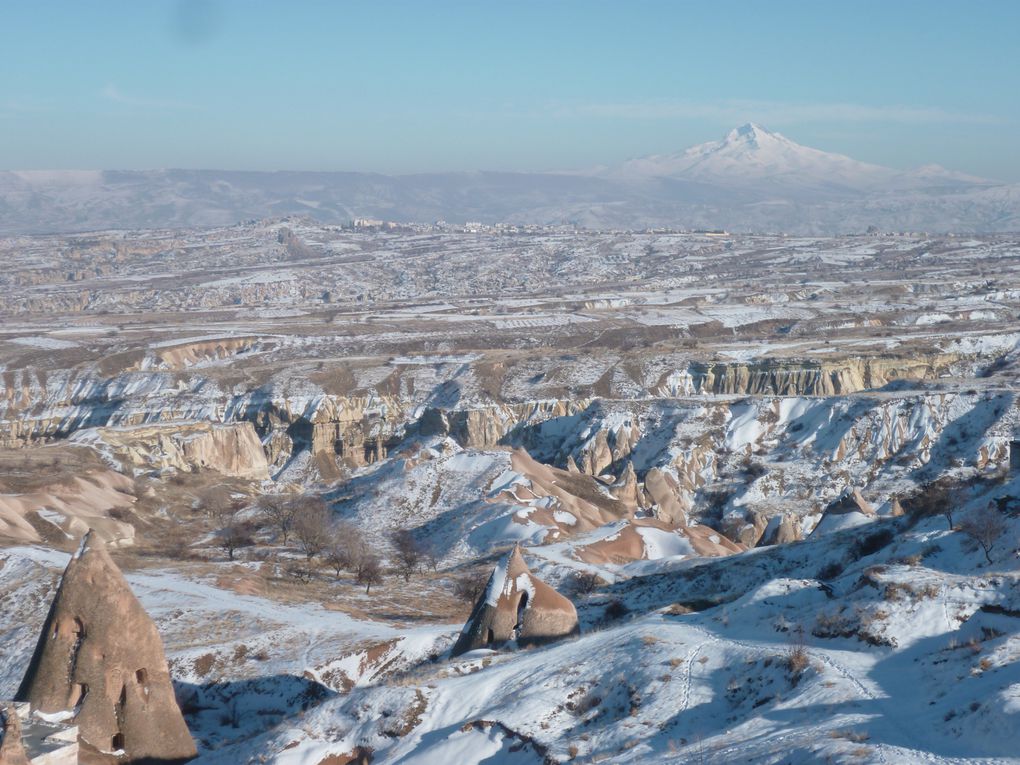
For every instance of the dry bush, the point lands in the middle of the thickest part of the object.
(468, 587)
(797, 661)
(829, 624)
(204, 664)
(856, 736)
(586, 582)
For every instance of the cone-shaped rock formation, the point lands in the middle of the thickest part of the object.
(516, 605)
(100, 658)
(12, 752)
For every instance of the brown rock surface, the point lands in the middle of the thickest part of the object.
(100, 657)
(517, 605)
(781, 531)
(11, 750)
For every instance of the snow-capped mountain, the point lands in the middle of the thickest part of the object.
(751, 156)
(751, 180)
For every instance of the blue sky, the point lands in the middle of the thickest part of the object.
(436, 85)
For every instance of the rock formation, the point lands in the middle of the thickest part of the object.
(70, 507)
(516, 605)
(851, 509)
(662, 490)
(12, 752)
(649, 538)
(582, 501)
(781, 530)
(745, 527)
(100, 658)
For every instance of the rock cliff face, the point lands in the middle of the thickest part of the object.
(100, 660)
(806, 378)
(232, 449)
(516, 605)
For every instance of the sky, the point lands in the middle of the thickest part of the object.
(433, 85)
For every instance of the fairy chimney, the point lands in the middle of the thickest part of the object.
(100, 659)
(516, 605)
(12, 752)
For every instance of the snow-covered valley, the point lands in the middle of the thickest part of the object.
(767, 488)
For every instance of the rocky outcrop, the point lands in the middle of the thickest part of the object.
(782, 529)
(516, 605)
(801, 378)
(233, 449)
(850, 509)
(650, 539)
(488, 426)
(562, 500)
(12, 751)
(100, 661)
(746, 527)
(70, 508)
(663, 490)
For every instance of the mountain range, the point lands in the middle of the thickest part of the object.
(751, 180)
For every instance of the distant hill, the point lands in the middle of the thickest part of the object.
(751, 180)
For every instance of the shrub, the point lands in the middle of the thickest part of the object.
(586, 582)
(468, 587)
(872, 543)
(830, 570)
(615, 610)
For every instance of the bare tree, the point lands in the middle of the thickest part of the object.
(278, 512)
(213, 500)
(369, 571)
(346, 547)
(984, 525)
(232, 531)
(934, 498)
(312, 526)
(409, 552)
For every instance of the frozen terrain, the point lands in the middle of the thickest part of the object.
(778, 476)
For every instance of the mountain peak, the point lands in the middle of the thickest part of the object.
(749, 132)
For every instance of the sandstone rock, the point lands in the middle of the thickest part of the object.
(516, 605)
(233, 449)
(100, 658)
(782, 529)
(746, 528)
(73, 506)
(12, 752)
(646, 538)
(662, 490)
(851, 509)
(578, 494)
(627, 489)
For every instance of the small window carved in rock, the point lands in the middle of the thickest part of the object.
(141, 676)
